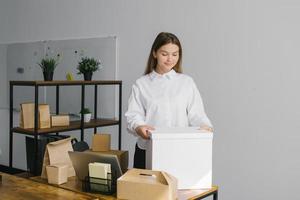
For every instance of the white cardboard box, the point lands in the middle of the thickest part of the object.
(186, 153)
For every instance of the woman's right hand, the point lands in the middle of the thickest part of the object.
(143, 131)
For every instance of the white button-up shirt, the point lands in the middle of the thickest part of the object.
(168, 100)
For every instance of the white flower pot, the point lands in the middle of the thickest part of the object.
(87, 117)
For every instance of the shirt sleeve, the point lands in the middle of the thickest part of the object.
(195, 109)
(136, 111)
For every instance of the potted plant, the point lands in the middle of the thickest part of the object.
(87, 115)
(48, 66)
(87, 66)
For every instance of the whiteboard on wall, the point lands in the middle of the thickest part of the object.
(27, 55)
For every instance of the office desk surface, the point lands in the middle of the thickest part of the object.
(74, 185)
(16, 188)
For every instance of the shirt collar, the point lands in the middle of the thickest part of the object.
(169, 75)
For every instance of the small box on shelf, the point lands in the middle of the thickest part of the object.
(60, 120)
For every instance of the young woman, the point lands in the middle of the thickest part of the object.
(163, 97)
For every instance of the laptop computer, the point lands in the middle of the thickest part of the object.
(81, 160)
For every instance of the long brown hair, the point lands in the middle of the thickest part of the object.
(161, 39)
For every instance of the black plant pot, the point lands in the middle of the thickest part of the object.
(88, 76)
(48, 76)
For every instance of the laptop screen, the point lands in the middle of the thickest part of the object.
(81, 160)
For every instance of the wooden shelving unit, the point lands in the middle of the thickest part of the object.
(74, 125)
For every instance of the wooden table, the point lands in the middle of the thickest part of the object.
(74, 184)
(16, 188)
(198, 194)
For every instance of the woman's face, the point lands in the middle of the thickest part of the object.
(167, 56)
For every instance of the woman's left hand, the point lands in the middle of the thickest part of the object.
(206, 128)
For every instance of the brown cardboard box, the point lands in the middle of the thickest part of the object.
(122, 157)
(57, 153)
(101, 142)
(27, 115)
(137, 184)
(57, 174)
(60, 120)
(44, 116)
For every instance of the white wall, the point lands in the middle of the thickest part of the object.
(243, 55)
(3, 106)
(3, 78)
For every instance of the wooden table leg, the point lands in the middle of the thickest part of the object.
(215, 196)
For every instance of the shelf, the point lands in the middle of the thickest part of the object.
(74, 125)
(64, 82)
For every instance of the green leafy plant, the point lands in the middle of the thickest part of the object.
(48, 64)
(85, 111)
(86, 65)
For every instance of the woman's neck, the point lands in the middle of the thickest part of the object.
(159, 71)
